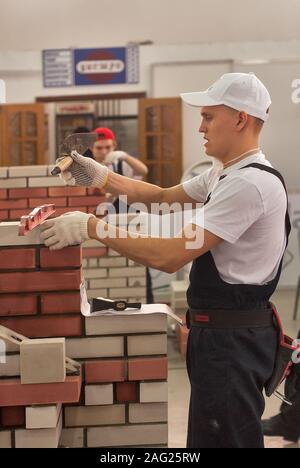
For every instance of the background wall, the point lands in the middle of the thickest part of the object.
(83, 23)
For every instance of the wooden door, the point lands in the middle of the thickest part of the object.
(161, 140)
(22, 135)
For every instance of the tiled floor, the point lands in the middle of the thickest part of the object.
(179, 385)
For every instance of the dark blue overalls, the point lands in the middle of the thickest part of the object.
(230, 355)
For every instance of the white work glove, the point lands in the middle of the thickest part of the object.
(114, 157)
(85, 172)
(68, 229)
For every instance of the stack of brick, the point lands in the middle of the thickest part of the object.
(123, 399)
(107, 273)
(39, 298)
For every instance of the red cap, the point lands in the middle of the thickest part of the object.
(104, 133)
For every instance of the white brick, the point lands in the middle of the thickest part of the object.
(93, 262)
(99, 395)
(5, 439)
(137, 282)
(9, 235)
(38, 438)
(3, 173)
(147, 345)
(43, 361)
(45, 182)
(11, 368)
(13, 183)
(131, 263)
(72, 438)
(42, 417)
(27, 171)
(95, 347)
(91, 243)
(107, 283)
(148, 412)
(95, 273)
(84, 263)
(112, 262)
(113, 253)
(134, 435)
(97, 293)
(104, 325)
(121, 293)
(129, 271)
(78, 416)
(142, 300)
(153, 392)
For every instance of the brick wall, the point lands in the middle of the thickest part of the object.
(122, 398)
(106, 273)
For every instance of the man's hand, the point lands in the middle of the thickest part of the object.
(115, 156)
(68, 229)
(85, 172)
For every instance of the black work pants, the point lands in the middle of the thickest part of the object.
(228, 370)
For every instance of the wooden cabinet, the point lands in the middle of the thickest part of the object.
(22, 134)
(161, 140)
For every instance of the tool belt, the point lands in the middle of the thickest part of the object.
(287, 348)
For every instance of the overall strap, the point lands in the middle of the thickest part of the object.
(277, 174)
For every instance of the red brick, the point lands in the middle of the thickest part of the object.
(45, 327)
(127, 392)
(148, 369)
(18, 305)
(67, 191)
(34, 202)
(64, 303)
(94, 252)
(3, 194)
(14, 259)
(27, 193)
(16, 214)
(4, 215)
(12, 393)
(13, 416)
(87, 201)
(13, 204)
(95, 191)
(104, 371)
(61, 211)
(40, 281)
(66, 258)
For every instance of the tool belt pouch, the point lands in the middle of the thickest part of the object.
(284, 357)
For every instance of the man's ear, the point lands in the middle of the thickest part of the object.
(242, 120)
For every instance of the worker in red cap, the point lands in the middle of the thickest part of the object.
(104, 152)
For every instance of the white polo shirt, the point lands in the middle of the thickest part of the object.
(247, 209)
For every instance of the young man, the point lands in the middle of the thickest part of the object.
(104, 152)
(236, 265)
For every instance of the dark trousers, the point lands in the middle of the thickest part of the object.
(228, 370)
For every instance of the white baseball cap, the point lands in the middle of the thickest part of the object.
(240, 91)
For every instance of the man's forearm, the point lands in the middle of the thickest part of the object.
(153, 252)
(136, 190)
(139, 168)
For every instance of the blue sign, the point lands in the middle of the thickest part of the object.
(101, 66)
(85, 67)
